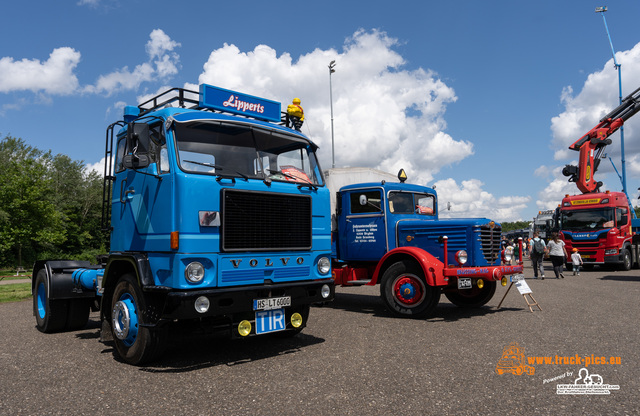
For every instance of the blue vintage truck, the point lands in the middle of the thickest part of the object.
(218, 217)
(388, 232)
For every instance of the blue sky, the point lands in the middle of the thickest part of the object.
(480, 99)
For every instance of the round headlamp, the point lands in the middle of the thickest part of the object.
(194, 272)
(461, 257)
(324, 265)
(325, 291)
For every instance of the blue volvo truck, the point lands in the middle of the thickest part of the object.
(387, 232)
(218, 218)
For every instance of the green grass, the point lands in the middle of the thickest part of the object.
(14, 293)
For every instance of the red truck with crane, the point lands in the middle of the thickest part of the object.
(601, 225)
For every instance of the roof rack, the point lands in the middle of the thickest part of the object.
(180, 96)
(184, 97)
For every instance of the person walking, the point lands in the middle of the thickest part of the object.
(558, 254)
(537, 252)
(576, 259)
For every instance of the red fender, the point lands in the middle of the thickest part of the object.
(431, 266)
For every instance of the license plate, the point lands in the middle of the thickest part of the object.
(270, 321)
(465, 283)
(516, 277)
(271, 303)
(586, 256)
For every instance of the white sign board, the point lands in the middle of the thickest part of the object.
(523, 287)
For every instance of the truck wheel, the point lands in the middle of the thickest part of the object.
(51, 315)
(472, 298)
(135, 343)
(405, 292)
(626, 260)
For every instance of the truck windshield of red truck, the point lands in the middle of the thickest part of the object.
(593, 219)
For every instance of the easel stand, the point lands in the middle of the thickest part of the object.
(524, 290)
(533, 301)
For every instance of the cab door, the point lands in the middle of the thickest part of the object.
(141, 208)
(362, 225)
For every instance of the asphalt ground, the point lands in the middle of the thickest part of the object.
(353, 358)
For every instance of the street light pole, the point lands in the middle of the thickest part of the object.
(332, 65)
(618, 68)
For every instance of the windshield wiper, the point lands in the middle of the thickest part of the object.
(295, 178)
(207, 164)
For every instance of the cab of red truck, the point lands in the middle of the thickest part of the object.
(599, 225)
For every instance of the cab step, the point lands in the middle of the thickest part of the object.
(357, 282)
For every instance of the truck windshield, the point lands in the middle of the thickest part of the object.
(411, 203)
(588, 219)
(214, 148)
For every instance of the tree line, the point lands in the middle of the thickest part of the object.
(50, 206)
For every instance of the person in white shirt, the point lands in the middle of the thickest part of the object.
(557, 253)
(576, 259)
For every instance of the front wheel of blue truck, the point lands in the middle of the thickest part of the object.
(405, 292)
(135, 342)
(472, 298)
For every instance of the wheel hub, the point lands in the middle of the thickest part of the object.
(408, 290)
(125, 320)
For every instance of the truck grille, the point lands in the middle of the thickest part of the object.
(258, 221)
(490, 240)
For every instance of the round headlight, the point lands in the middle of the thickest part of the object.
(325, 291)
(461, 257)
(202, 304)
(244, 328)
(324, 265)
(296, 320)
(194, 272)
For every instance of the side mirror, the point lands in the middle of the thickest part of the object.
(363, 200)
(137, 153)
(135, 162)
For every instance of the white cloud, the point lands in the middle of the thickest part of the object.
(53, 76)
(470, 200)
(96, 167)
(385, 116)
(599, 95)
(163, 63)
(56, 76)
(583, 111)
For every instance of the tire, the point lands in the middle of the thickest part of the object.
(51, 315)
(135, 343)
(472, 298)
(626, 260)
(404, 291)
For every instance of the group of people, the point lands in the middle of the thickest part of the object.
(556, 251)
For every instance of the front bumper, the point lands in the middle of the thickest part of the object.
(490, 273)
(179, 305)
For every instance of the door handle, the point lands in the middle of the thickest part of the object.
(124, 193)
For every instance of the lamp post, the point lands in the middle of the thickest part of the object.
(618, 68)
(332, 65)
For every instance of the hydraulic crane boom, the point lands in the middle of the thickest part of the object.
(592, 144)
